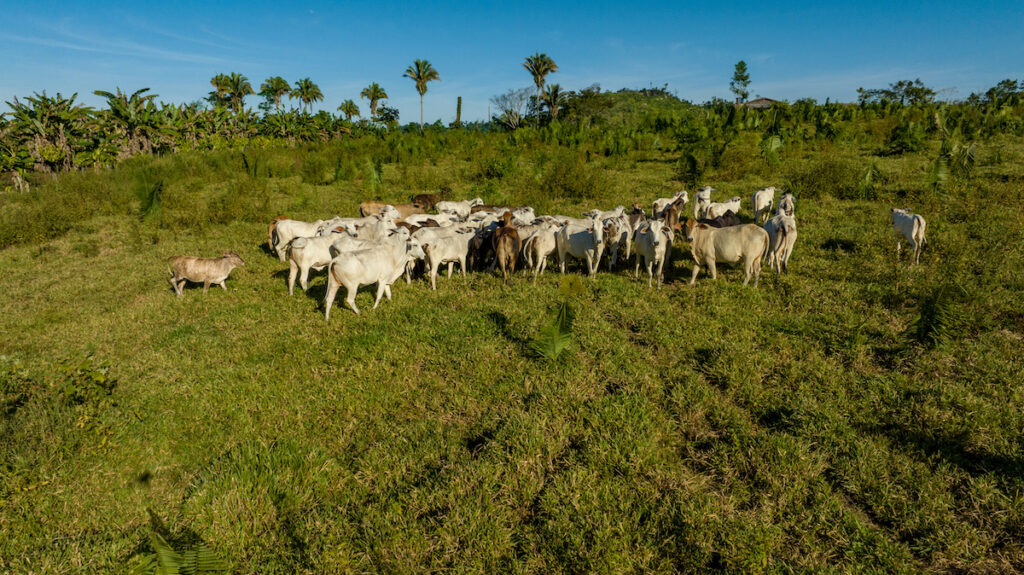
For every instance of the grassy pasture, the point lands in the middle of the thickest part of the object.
(854, 415)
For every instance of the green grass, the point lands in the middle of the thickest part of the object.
(798, 426)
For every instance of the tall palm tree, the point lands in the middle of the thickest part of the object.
(374, 93)
(421, 72)
(349, 108)
(539, 66)
(554, 97)
(220, 96)
(238, 88)
(308, 92)
(273, 89)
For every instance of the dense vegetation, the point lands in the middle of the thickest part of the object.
(857, 414)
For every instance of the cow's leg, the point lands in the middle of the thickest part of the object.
(350, 297)
(713, 269)
(433, 276)
(332, 290)
(696, 270)
(206, 285)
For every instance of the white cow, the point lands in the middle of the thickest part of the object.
(539, 245)
(787, 205)
(380, 265)
(581, 242)
(661, 204)
(762, 202)
(618, 235)
(284, 231)
(701, 202)
(910, 226)
(731, 244)
(716, 209)
(618, 211)
(447, 249)
(310, 253)
(781, 239)
(461, 209)
(654, 243)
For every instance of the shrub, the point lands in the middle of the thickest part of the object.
(835, 177)
(571, 178)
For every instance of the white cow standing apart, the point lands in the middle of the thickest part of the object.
(762, 202)
(910, 226)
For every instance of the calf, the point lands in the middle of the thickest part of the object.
(910, 226)
(716, 209)
(711, 245)
(653, 242)
(781, 239)
(205, 270)
(380, 265)
(762, 203)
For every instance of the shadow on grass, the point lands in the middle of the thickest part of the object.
(952, 448)
(501, 323)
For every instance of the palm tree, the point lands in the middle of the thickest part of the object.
(308, 92)
(554, 97)
(421, 72)
(221, 89)
(273, 89)
(373, 93)
(539, 66)
(238, 88)
(349, 108)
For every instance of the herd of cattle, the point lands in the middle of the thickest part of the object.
(389, 240)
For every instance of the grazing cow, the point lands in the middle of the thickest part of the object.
(661, 204)
(380, 265)
(618, 211)
(581, 242)
(202, 270)
(910, 226)
(716, 209)
(787, 204)
(723, 221)
(711, 245)
(781, 239)
(701, 202)
(654, 243)
(762, 202)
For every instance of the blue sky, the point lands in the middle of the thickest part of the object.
(793, 50)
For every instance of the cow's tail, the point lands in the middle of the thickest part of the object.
(272, 229)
